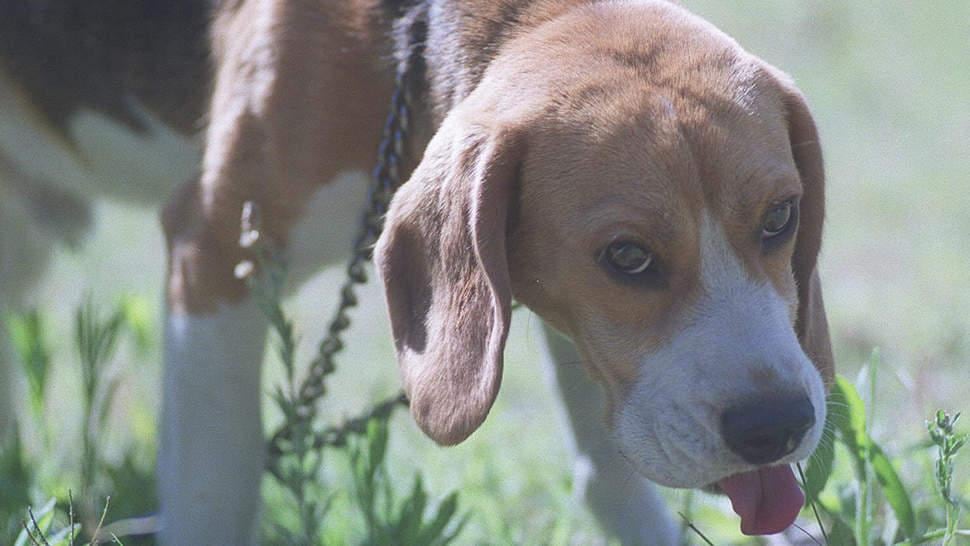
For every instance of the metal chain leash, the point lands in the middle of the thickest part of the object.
(386, 178)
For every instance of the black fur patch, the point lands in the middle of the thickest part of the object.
(68, 55)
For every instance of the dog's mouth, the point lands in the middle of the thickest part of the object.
(767, 499)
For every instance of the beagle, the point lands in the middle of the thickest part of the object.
(621, 167)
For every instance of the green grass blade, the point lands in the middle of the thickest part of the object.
(819, 469)
(411, 513)
(852, 423)
(893, 489)
(27, 336)
(139, 318)
(840, 534)
(63, 537)
(852, 429)
(16, 475)
(453, 535)
(433, 532)
(38, 522)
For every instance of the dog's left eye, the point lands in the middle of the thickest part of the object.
(777, 220)
(628, 258)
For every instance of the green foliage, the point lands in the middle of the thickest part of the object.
(37, 525)
(298, 466)
(869, 460)
(16, 480)
(96, 339)
(38, 528)
(299, 463)
(822, 461)
(853, 515)
(948, 442)
(27, 337)
(873, 507)
(390, 522)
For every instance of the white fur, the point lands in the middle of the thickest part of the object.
(625, 504)
(212, 452)
(326, 230)
(101, 157)
(669, 427)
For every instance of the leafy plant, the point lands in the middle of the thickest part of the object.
(948, 442)
(298, 467)
(96, 339)
(27, 335)
(871, 466)
(38, 525)
(16, 480)
(852, 514)
(298, 463)
(388, 521)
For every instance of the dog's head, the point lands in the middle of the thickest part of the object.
(654, 193)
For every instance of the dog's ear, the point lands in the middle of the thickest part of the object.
(442, 260)
(811, 324)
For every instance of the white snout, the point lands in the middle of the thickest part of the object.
(735, 344)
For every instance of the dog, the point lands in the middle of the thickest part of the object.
(621, 167)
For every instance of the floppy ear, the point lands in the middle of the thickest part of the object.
(443, 263)
(811, 324)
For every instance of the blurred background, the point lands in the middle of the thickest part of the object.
(889, 84)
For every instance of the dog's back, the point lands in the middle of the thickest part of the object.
(98, 98)
(69, 56)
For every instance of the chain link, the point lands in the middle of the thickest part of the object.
(386, 178)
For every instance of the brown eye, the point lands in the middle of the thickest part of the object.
(777, 220)
(628, 258)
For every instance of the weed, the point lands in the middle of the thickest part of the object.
(948, 443)
(323, 511)
(96, 338)
(298, 463)
(389, 522)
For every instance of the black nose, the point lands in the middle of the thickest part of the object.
(765, 430)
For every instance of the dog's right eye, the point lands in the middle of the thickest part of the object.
(628, 258)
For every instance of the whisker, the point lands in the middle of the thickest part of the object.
(691, 526)
(818, 519)
(809, 535)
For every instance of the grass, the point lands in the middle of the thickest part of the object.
(889, 87)
(869, 505)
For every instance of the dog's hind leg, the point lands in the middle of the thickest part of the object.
(626, 505)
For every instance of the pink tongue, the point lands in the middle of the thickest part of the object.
(767, 499)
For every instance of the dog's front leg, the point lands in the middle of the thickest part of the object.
(212, 453)
(297, 99)
(626, 505)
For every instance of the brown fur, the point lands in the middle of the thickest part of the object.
(299, 91)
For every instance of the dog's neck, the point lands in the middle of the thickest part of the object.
(465, 37)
